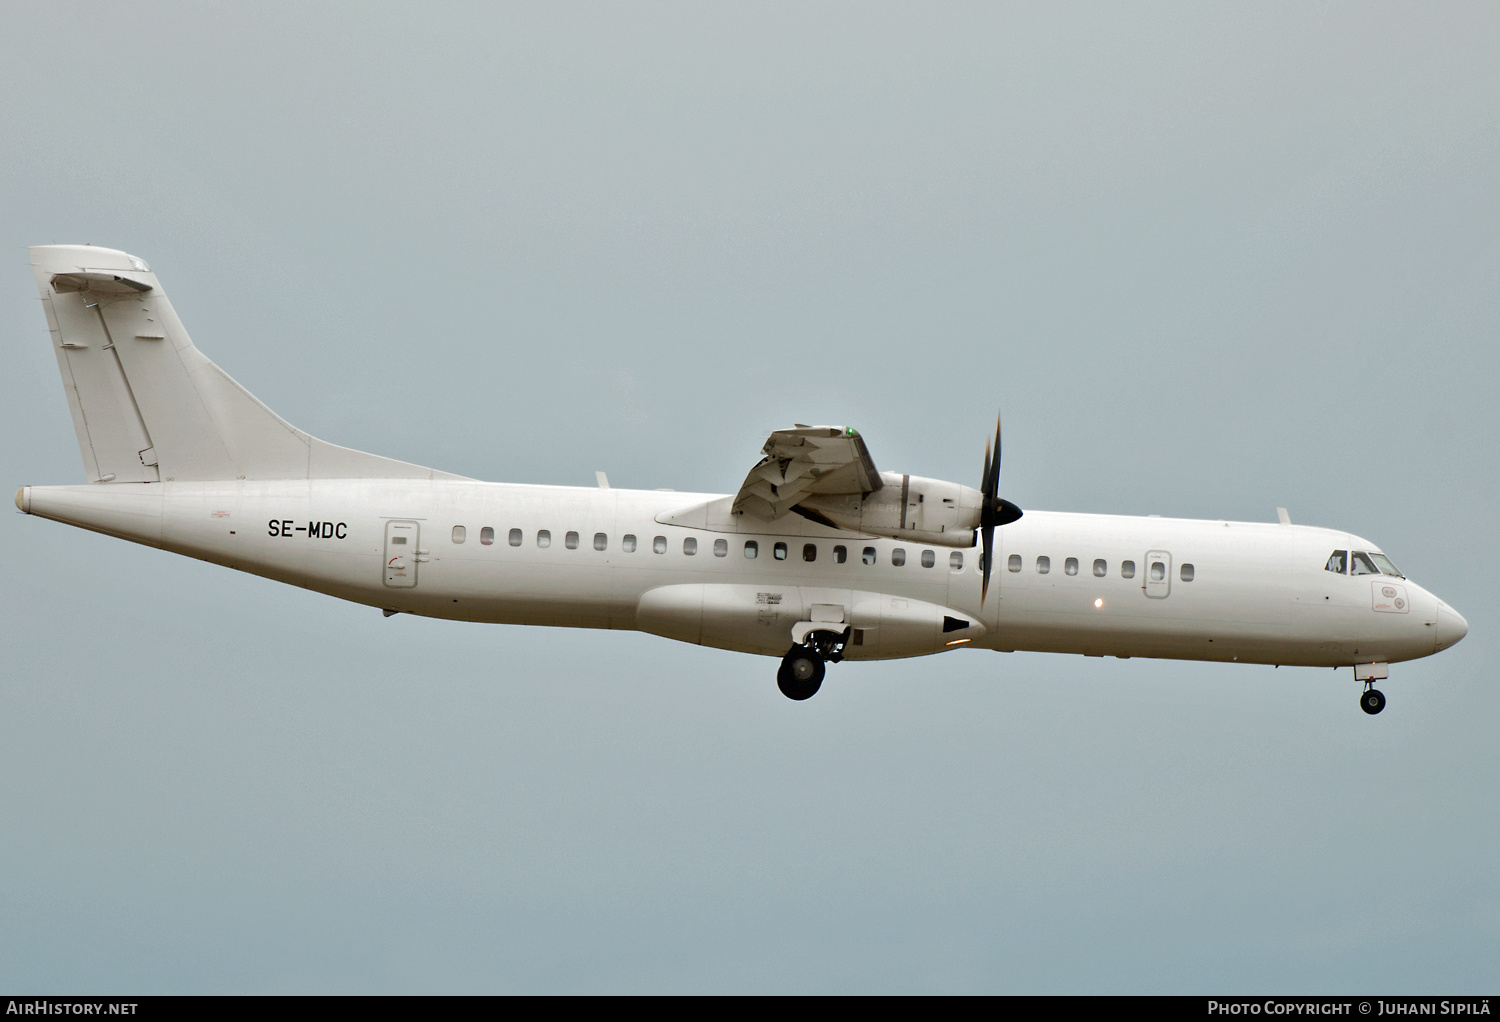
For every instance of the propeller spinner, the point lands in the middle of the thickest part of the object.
(993, 511)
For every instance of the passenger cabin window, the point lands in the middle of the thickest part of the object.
(752, 549)
(627, 543)
(1360, 564)
(659, 545)
(487, 535)
(1186, 573)
(868, 556)
(779, 551)
(721, 548)
(544, 539)
(690, 545)
(1014, 564)
(809, 551)
(1127, 569)
(928, 558)
(898, 556)
(840, 554)
(1043, 565)
(515, 537)
(1101, 568)
(956, 561)
(601, 541)
(458, 534)
(571, 541)
(1070, 566)
(1158, 571)
(1337, 562)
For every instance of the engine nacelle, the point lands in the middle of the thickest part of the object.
(912, 508)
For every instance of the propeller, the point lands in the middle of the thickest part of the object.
(993, 510)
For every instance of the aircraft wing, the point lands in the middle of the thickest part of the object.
(803, 462)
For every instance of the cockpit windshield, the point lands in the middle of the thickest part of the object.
(1358, 562)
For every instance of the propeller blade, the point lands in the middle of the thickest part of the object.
(992, 469)
(988, 538)
(984, 476)
(994, 511)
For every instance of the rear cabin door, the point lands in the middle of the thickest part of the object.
(1158, 574)
(401, 554)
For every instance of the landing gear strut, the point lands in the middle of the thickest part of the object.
(1373, 700)
(803, 667)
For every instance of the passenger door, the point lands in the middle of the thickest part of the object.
(401, 554)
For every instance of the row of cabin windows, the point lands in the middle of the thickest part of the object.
(751, 549)
(1157, 570)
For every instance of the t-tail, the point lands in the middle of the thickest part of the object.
(147, 406)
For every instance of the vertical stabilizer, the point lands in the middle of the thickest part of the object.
(148, 406)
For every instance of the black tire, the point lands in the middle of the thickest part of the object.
(801, 674)
(1372, 702)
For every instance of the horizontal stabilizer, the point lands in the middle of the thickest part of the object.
(100, 283)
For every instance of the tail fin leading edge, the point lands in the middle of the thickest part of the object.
(148, 406)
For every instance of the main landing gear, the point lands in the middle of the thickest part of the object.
(801, 673)
(803, 667)
(1372, 701)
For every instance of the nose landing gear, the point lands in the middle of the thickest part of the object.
(1371, 701)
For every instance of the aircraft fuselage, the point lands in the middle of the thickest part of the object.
(600, 558)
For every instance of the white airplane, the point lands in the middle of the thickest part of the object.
(818, 558)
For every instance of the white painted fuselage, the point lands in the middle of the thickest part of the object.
(1228, 591)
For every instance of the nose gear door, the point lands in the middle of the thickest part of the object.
(401, 554)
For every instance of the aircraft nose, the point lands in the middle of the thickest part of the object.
(1451, 627)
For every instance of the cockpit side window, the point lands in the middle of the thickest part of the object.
(1360, 564)
(1337, 562)
(1385, 565)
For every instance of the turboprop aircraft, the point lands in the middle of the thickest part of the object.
(820, 557)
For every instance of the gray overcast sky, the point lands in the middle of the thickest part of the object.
(1209, 259)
